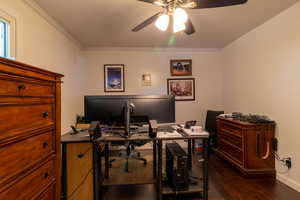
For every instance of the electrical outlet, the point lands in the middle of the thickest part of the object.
(288, 162)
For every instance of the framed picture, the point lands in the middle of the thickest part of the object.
(114, 78)
(181, 67)
(183, 89)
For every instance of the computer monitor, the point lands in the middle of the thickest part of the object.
(110, 109)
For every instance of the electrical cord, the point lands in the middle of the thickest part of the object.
(282, 161)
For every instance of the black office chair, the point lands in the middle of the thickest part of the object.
(211, 127)
(130, 153)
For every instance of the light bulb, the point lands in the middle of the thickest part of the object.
(162, 22)
(180, 15)
(178, 26)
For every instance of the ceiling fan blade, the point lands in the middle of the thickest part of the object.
(217, 3)
(148, 1)
(146, 22)
(156, 2)
(189, 30)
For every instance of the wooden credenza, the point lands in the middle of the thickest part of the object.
(30, 123)
(247, 145)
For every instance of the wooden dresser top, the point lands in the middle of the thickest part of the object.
(242, 123)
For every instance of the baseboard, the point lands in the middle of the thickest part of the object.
(289, 182)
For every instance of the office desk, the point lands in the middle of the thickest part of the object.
(106, 139)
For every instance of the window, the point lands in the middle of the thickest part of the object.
(4, 48)
(7, 35)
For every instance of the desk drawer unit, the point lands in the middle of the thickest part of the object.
(30, 123)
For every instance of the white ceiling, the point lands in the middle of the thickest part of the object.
(108, 23)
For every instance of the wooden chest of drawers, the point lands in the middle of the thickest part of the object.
(247, 145)
(29, 132)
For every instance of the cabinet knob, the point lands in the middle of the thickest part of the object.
(21, 87)
(45, 144)
(45, 114)
(46, 175)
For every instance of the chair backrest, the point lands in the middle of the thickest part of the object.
(211, 120)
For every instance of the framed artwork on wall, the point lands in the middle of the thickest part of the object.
(183, 89)
(181, 67)
(114, 78)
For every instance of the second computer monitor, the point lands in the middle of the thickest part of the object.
(111, 108)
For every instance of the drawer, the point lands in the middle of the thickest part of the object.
(49, 194)
(232, 152)
(14, 120)
(232, 139)
(225, 127)
(32, 184)
(21, 155)
(22, 87)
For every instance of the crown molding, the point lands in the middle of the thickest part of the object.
(150, 49)
(52, 21)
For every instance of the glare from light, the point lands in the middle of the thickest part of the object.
(180, 15)
(178, 26)
(162, 22)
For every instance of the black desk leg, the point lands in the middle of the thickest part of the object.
(154, 158)
(159, 177)
(193, 146)
(64, 177)
(205, 169)
(189, 154)
(96, 173)
(106, 152)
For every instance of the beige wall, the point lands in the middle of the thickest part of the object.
(261, 75)
(42, 45)
(258, 73)
(206, 70)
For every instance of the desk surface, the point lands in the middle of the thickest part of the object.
(75, 138)
(108, 137)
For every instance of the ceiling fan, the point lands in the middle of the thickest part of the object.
(176, 8)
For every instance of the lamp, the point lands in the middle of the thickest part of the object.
(146, 78)
(162, 22)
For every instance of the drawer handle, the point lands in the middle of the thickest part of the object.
(45, 144)
(45, 114)
(46, 175)
(21, 87)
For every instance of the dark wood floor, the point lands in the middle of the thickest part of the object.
(226, 183)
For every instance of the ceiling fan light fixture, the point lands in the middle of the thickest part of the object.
(162, 22)
(178, 26)
(180, 15)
